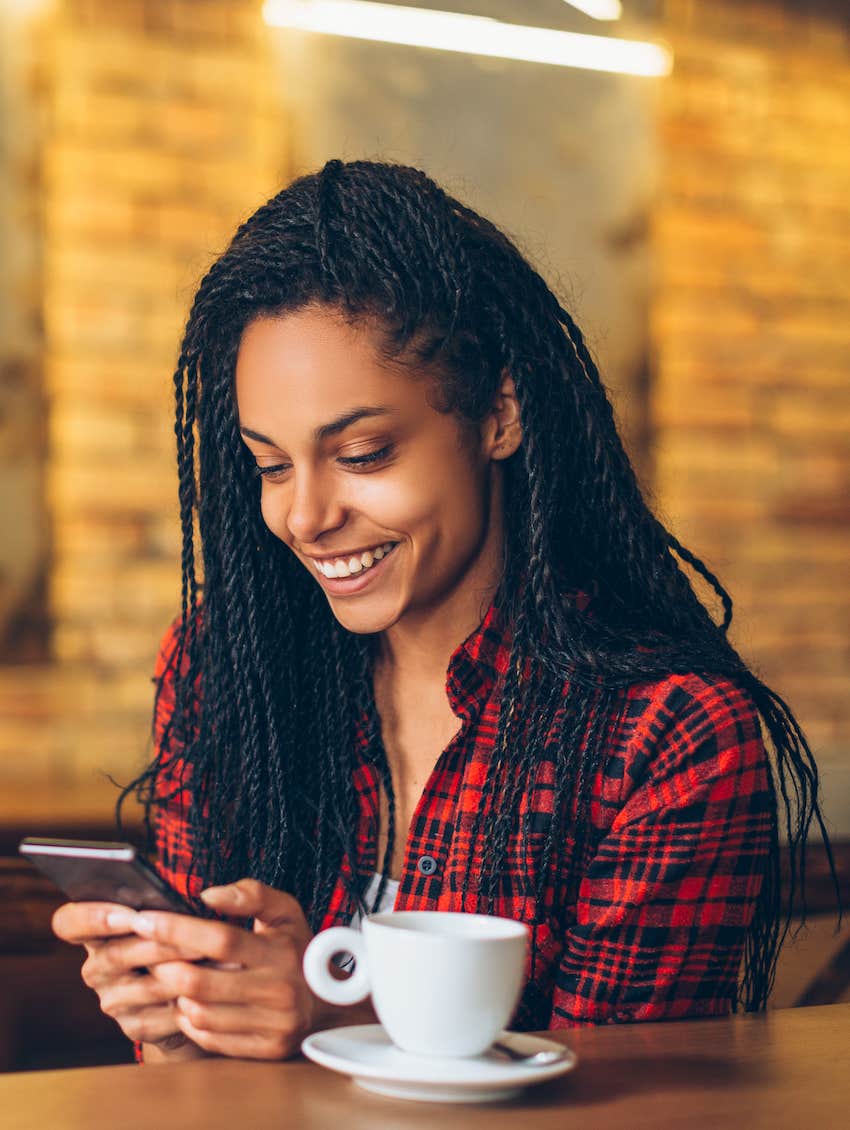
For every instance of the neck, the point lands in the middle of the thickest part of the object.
(420, 650)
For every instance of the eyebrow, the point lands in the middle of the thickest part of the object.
(324, 431)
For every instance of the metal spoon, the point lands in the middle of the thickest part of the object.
(533, 1059)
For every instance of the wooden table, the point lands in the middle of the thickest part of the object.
(784, 1069)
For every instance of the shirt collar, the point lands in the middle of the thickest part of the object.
(478, 663)
(483, 658)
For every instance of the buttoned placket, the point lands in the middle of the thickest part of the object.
(471, 681)
(425, 859)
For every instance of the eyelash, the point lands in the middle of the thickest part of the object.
(369, 457)
(354, 460)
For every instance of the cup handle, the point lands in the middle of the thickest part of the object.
(319, 952)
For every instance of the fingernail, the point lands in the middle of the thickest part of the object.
(230, 894)
(143, 925)
(119, 920)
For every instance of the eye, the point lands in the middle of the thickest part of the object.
(368, 457)
(272, 474)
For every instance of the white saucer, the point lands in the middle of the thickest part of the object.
(364, 1052)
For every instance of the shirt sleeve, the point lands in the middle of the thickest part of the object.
(171, 793)
(665, 903)
(170, 807)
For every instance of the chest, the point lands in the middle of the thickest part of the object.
(417, 725)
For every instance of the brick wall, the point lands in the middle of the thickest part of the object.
(751, 339)
(163, 131)
(23, 548)
(161, 134)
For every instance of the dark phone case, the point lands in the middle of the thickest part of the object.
(130, 882)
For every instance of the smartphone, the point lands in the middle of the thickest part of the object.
(99, 871)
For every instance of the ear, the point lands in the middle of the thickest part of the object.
(501, 430)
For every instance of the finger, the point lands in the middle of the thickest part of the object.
(241, 1045)
(79, 922)
(122, 955)
(239, 1018)
(149, 1025)
(204, 983)
(219, 941)
(248, 898)
(127, 994)
(135, 953)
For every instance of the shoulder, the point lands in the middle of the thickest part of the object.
(702, 704)
(166, 654)
(169, 650)
(690, 709)
(165, 676)
(688, 732)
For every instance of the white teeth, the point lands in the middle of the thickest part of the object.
(342, 567)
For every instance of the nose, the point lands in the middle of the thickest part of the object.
(313, 507)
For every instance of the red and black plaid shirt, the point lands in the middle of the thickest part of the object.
(681, 817)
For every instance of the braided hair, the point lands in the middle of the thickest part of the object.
(269, 687)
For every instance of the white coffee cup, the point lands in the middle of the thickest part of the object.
(442, 984)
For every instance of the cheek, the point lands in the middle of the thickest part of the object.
(445, 505)
(402, 502)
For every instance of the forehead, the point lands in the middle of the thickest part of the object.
(311, 365)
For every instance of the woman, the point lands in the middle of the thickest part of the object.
(444, 658)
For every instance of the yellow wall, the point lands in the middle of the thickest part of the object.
(161, 133)
(751, 338)
(164, 124)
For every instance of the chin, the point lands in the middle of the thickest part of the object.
(362, 621)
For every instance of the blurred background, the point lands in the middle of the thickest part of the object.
(696, 222)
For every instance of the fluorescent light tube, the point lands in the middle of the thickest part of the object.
(598, 9)
(473, 35)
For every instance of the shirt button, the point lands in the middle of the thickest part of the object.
(426, 865)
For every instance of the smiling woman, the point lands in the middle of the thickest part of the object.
(442, 646)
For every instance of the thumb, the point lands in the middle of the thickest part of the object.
(249, 898)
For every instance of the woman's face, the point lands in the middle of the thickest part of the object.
(385, 501)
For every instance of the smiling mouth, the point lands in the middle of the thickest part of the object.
(355, 565)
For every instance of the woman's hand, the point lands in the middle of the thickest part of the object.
(119, 968)
(253, 1002)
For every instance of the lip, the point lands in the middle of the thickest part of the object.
(347, 553)
(347, 586)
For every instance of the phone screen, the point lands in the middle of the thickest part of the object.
(100, 871)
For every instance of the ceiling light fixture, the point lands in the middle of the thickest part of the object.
(598, 9)
(473, 35)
